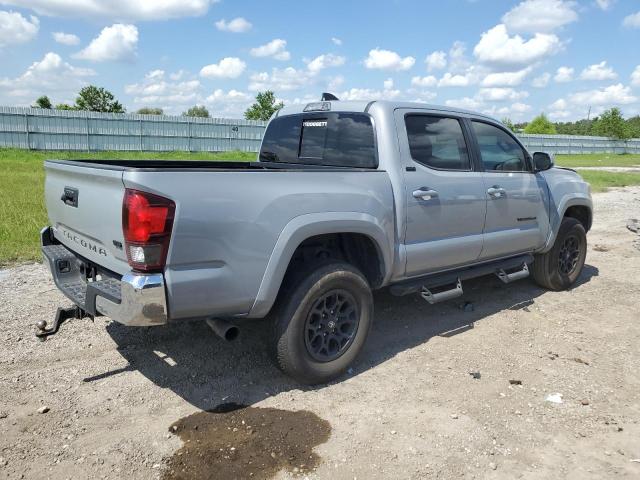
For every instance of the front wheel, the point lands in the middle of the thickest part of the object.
(322, 323)
(561, 266)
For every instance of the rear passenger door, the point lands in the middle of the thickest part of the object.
(517, 216)
(444, 192)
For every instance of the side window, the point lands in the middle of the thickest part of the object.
(437, 142)
(498, 150)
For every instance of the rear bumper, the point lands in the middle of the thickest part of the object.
(134, 299)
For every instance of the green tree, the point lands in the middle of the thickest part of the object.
(541, 125)
(264, 107)
(634, 126)
(509, 124)
(97, 99)
(43, 102)
(150, 111)
(196, 111)
(65, 106)
(611, 124)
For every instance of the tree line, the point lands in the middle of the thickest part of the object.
(98, 99)
(610, 123)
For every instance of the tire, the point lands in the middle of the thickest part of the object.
(561, 266)
(307, 346)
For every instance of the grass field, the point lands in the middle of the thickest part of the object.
(598, 160)
(22, 212)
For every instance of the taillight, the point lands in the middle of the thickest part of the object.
(147, 220)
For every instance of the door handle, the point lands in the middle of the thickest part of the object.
(497, 192)
(425, 194)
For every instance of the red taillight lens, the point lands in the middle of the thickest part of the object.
(147, 220)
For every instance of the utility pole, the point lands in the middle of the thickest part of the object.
(589, 114)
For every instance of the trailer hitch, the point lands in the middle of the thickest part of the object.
(62, 315)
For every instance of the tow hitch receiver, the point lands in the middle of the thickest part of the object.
(62, 315)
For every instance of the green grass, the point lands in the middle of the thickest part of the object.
(600, 181)
(598, 160)
(22, 211)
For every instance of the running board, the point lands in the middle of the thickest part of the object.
(451, 277)
(513, 276)
(443, 296)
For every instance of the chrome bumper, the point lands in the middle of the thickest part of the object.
(135, 299)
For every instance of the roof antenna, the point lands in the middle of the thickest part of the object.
(327, 97)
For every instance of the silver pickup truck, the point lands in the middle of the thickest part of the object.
(345, 198)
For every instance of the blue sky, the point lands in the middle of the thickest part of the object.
(506, 58)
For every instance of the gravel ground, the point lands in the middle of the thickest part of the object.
(116, 397)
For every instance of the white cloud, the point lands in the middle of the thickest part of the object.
(388, 60)
(635, 77)
(325, 61)
(276, 48)
(500, 94)
(237, 25)
(14, 28)
(436, 61)
(465, 102)
(458, 61)
(388, 84)
(604, 4)
(564, 74)
(498, 49)
(228, 67)
(560, 104)
(632, 21)
(540, 16)
(369, 94)
(156, 91)
(451, 80)
(280, 80)
(617, 94)
(335, 82)
(230, 96)
(513, 111)
(599, 71)
(336, 41)
(506, 79)
(541, 81)
(50, 76)
(118, 10)
(66, 38)
(424, 97)
(231, 103)
(428, 81)
(115, 43)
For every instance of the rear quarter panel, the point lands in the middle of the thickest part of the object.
(228, 223)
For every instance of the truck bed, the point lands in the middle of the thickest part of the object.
(232, 221)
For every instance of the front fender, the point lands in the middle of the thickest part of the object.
(305, 226)
(558, 211)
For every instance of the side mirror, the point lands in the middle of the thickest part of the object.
(542, 161)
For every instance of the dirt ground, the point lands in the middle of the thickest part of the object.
(122, 400)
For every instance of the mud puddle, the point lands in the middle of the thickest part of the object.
(237, 442)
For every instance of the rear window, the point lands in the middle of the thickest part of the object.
(332, 139)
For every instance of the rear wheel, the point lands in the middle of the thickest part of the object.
(561, 266)
(322, 322)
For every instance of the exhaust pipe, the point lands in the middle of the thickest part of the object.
(223, 329)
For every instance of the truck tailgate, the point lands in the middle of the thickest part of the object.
(84, 204)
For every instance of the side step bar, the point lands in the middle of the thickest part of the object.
(513, 276)
(432, 298)
(517, 266)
